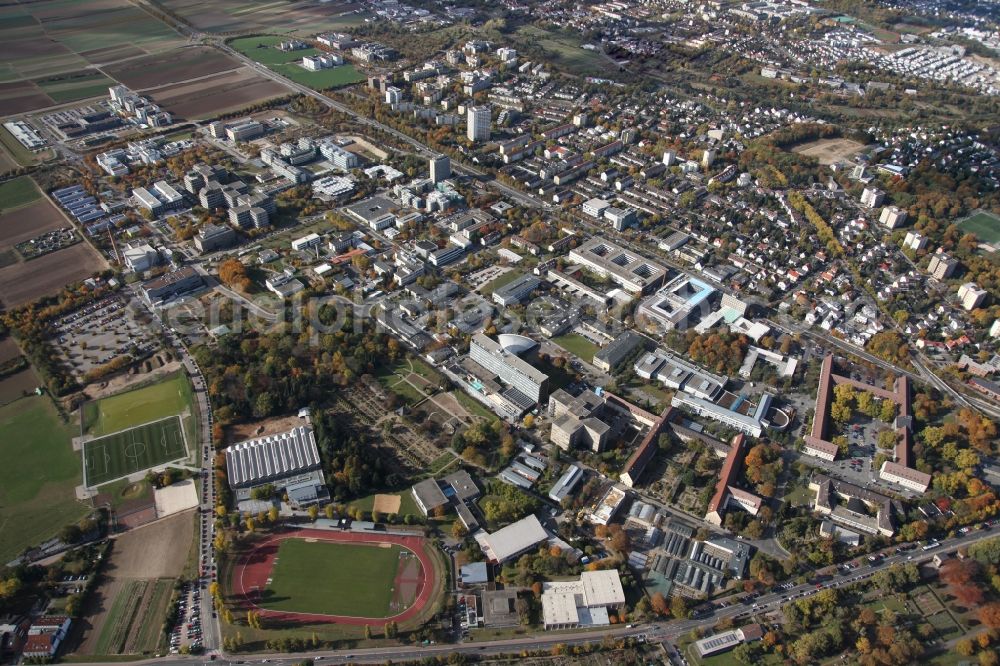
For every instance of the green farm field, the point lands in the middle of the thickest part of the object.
(986, 226)
(46, 48)
(38, 477)
(332, 579)
(264, 50)
(72, 89)
(138, 406)
(134, 450)
(18, 193)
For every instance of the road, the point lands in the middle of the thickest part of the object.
(211, 632)
(655, 631)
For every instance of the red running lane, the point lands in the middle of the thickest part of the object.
(254, 568)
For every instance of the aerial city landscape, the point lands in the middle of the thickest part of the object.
(542, 331)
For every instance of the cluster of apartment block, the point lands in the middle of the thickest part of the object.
(216, 189)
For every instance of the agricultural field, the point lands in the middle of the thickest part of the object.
(21, 96)
(38, 477)
(264, 50)
(305, 19)
(986, 226)
(182, 64)
(15, 194)
(129, 451)
(75, 86)
(127, 609)
(333, 578)
(133, 623)
(27, 215)
(28, 281)
(46, 46)
(157, 401)
(216, 94)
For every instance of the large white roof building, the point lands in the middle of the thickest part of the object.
(272, 457)
(584, 602)
(511, 541)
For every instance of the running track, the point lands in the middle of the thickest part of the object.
(254, 568)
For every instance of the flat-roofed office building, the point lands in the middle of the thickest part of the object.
(628, 269)
(502, 358)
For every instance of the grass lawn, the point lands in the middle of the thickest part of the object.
(576, 344)
(391, 378)
(332, 578)
(656, 394)
(265, 51)
(472, 405)
(133, 450)
(421, 368)
(38, 476)
(887, 603)
(407, 505)
(944, 626)
(17, 193)
(142, 405)
(986, 226)
(686, 647)
(123, 491)
(566, 51)
(440, 463)
(14, 151)
(390, 381)
(801, 496)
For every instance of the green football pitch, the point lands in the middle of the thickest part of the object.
(986, 226)
(326, 578)
(138, 406)
(134, 450)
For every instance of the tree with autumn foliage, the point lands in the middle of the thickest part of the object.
(961, 575)
(233, 273)
(989, 614)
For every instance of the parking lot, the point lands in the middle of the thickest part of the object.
(486, 275)
(187, 632)
(99, 333)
